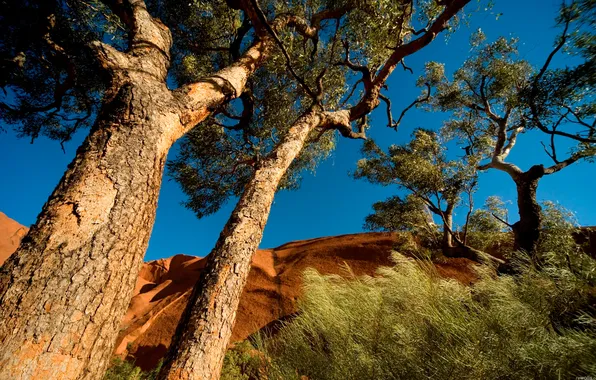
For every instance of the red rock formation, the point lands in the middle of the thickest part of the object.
(274, 285)
(11, 233)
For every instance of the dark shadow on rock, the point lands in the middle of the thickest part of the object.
(147, 288)
(147, 357)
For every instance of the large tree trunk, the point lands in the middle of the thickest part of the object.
(202, 336)
(527, 229)
(447, 243)
(65, 290)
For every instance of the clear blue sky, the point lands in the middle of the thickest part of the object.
(329, 201)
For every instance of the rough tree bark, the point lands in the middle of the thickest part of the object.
(65, 290)
(447, 230)
(527, 230)
(199, 345)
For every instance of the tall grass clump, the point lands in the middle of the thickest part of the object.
(124, 370)
(407, 323)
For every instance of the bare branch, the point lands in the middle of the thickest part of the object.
(513, 170)
(487, 108)
(351, 92)
(511, 141)
(370, 100)
(240, 34)
(501, 220)
(143, 30)
(340, 121)
(227, 114)
(469, 213)
(563, 164)
(558, 47)
(365, 71)
(578, 119)
(409, 107)
(406, 68)
(389, 113)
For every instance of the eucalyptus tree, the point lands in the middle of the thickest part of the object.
(433, 182)
(356, 42)
(108, 65)
(493, 217)
(408, 213)
(495, 96)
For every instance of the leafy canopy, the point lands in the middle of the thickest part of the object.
(495, 96)
(433, 181)
(246, 131)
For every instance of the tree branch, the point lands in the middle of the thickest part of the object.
(563, 164)
(413, 104)
(511, 141)
(513, 170)
(501, 220)
(351, 92)
(370, 100)
(534, 91)
(143, 30)
(280, 44)
(365, 71)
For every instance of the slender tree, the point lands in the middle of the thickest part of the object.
(433, 182)
(489, 229)
(492, 217)
(496, 96)
(407, 213)
(200, 342)
(65, 290)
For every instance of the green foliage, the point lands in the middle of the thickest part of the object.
(496, 95)
(48, 75)
(124, 370)
(213, 165)
(209, 168)
(569, 91)
(421, 167)
(397, 214)
(492, 75)
(242, 362)
(407, 323)
(486, 232)
(558, 242)
(485, 218)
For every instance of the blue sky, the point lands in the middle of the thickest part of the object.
(329, 202)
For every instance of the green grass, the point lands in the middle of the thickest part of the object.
(124, 370)
(409, 324)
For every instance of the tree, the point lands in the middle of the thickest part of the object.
(432, 180)
(489, 229)
(491, 218)
(65, 290)
(401, 214)
(202, 336)
(496, 96)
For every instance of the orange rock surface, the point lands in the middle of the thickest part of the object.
(272, 291)
(11, 233)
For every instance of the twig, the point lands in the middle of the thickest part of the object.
(501, 220)
(414, 103)
(270, 30)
